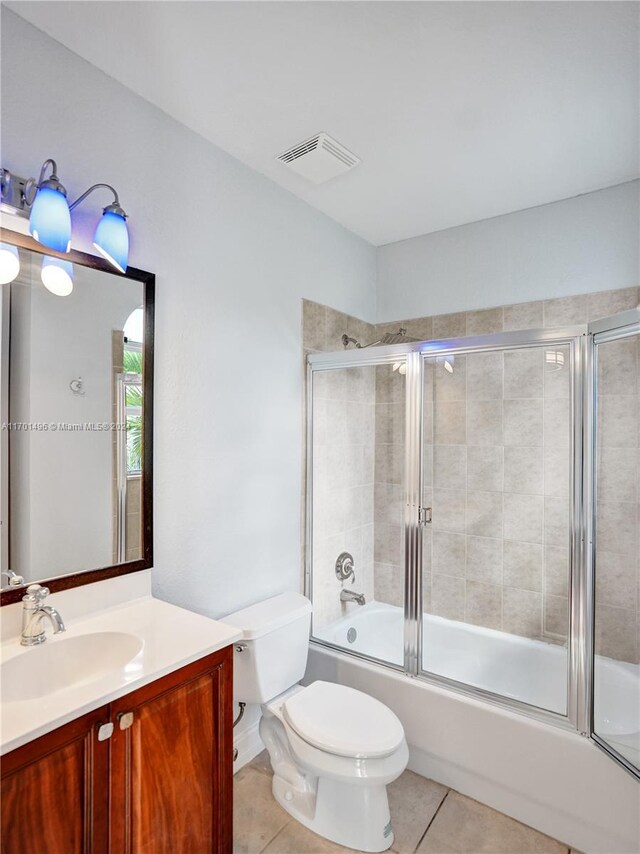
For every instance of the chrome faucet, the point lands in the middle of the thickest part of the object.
(14, 579)
(33, 613)
(350, 596)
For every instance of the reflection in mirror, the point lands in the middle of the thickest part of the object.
(72, 412)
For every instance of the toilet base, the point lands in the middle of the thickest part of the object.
(353, 816)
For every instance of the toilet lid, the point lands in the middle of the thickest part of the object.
(343, 721)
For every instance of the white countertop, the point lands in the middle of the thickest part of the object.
(171, 638)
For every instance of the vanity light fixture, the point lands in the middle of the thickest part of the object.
(57, 276)
(44, 201)
(111, 238)
(50, 218)
(9, 263)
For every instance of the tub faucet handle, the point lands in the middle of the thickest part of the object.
(344, 567)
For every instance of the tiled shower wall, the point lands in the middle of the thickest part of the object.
(497, 462)
(618, 509)
(497, 475)
(389, 486)
(343, 453)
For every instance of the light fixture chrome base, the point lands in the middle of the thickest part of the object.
(13, 194)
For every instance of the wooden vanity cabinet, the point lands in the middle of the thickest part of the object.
(172, 763)
(54, 794)
(162, 781)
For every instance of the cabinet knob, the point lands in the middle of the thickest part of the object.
(105, 731)
(125, 719)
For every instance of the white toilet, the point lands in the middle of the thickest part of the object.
(333, 749)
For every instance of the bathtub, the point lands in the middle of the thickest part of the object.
(549, 777)
(531, 671)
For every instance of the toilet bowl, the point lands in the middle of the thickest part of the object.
(333, 749)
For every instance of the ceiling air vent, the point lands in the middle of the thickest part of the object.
(319, 158)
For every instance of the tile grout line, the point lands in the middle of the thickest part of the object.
(433, 817)
(273, 838)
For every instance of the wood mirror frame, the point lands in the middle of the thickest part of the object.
(88, 576)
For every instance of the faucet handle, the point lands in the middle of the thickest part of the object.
(344, 567)
(15, 580)
(36, 593)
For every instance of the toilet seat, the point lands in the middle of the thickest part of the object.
(343, 722)
(357, 772)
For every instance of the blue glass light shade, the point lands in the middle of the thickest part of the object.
(9, 263)
(57, 276)
(50, 220)
(112, 239)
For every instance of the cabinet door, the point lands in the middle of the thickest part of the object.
(172, 763)
(55, 791)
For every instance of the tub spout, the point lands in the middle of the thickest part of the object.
(350, 596)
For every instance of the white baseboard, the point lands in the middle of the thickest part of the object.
(248, 744)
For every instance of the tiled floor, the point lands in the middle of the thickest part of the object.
(427, 819)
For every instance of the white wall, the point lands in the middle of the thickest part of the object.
(233, 254)
(589, 243)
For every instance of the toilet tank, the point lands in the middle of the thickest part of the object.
(272, 655)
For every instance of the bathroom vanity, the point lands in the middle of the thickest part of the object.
(135, 756)
(176, 730)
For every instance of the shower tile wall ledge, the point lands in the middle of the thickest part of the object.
(498, 475)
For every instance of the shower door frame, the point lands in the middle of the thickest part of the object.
(580, 596)
(357, 358)
(617, 327)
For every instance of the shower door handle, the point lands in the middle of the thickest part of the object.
(424, 516)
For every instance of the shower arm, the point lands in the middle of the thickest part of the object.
(346, 340)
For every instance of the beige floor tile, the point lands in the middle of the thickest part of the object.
(262, 763)
(296, 839)
(413, 801)
(257, 817)
(463, 826)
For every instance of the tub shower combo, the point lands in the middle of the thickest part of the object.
(473, 518)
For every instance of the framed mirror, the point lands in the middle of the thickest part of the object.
(76, 444)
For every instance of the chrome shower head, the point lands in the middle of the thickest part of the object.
(399, 337)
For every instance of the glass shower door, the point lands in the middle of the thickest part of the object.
(616, 538)
(356, 496)
(497, 453)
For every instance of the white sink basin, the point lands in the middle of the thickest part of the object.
(61, 664)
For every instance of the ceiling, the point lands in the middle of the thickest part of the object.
(459, 111)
